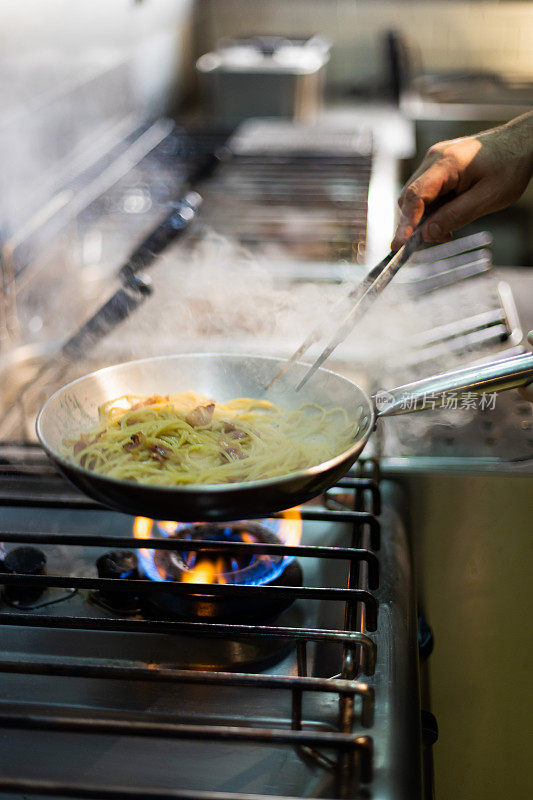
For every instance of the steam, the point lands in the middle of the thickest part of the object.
(211, 294)
(215, 295)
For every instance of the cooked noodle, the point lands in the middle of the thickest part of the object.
(190, 439)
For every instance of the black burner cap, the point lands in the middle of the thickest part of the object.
(119, 565)
(24, 561)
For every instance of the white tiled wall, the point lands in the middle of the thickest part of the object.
(480, 34)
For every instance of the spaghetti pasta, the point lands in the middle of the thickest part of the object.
(190, 439)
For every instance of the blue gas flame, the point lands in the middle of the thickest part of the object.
(259, 570)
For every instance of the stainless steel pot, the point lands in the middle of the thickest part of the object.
(74, 409)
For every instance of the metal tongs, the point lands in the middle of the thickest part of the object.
(360, 300)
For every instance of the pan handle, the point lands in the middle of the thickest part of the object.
(463, 384)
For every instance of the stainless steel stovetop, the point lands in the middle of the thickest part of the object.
(103, 699)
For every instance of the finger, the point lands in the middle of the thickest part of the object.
(438, 179)
(460, 211)
(403, 233)
(404, 229)
(422, 167)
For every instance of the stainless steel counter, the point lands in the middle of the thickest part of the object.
(471, 539)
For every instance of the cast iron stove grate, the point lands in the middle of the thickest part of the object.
(344, 752)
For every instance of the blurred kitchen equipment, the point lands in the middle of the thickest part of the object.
(74, 408)
(299, 193)
(133, 291)
(264, 76)
(360, 299)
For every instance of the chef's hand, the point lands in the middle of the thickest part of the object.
(487, 172)
(527, 391)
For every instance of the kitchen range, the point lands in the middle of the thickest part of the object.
(294, 671)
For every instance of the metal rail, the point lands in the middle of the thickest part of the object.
(175, 730)
(217, 630)
(83, 791)
(213, 589)
(199, 546)
(79, 501)
(76, 668)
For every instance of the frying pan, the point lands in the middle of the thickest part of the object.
(74, 409)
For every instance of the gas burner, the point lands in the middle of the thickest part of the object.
(214, 608)
(119, 565)
(221, 566)
(24, 561)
